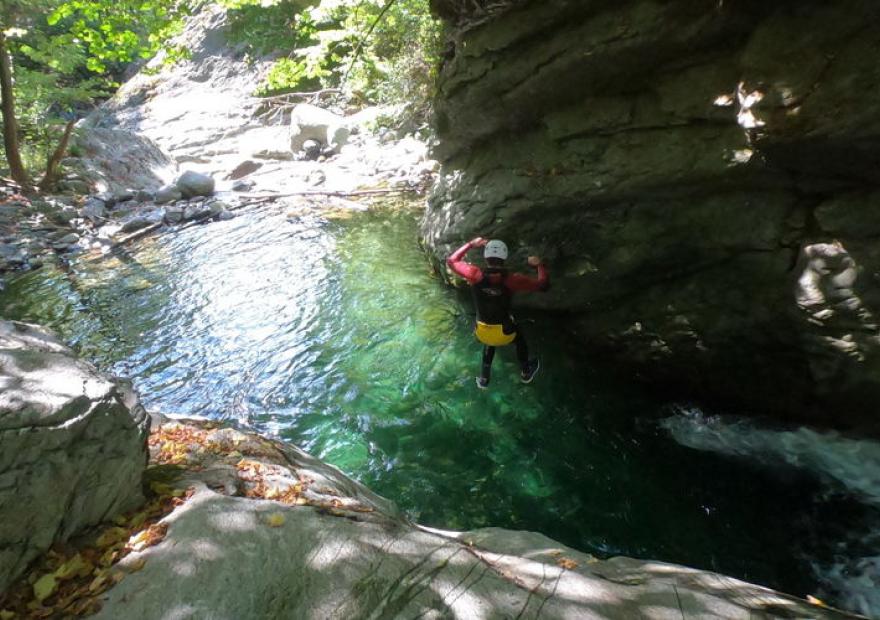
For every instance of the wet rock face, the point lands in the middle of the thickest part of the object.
(693, 173)
(72, 446)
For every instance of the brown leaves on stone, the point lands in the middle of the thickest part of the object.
(257, 477)
(192, 447)
(68, 581)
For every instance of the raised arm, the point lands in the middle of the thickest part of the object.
(457, 264)
(523, 283)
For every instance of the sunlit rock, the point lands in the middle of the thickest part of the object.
(309, 122)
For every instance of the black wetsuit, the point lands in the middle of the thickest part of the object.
(493, 297)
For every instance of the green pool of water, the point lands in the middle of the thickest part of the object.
(335, 335)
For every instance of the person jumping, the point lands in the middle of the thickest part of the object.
(493, 289)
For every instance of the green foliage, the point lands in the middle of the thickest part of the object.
(379, 50)
(266, 27)
(66, 54)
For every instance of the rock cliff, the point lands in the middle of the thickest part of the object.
(701, 176)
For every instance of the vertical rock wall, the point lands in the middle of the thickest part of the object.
(701, 177)
(72, 446)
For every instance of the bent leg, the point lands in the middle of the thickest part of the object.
(488, 356)
(522, 349)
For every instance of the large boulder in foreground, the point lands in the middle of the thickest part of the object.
(72, 446)
(701, 177)
(269, 532)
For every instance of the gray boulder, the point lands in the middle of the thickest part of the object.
(192, 184)
(72, 446)
(309, 122)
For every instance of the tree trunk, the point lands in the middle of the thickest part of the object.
(10, 124)
(57, 156)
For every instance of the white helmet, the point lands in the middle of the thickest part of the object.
(495, 249)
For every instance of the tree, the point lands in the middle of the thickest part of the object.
(58, 55)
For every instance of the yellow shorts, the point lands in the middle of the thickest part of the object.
(493, 335)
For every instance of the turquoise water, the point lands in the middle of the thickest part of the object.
(336, 335)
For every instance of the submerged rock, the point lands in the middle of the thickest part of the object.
(72, 446)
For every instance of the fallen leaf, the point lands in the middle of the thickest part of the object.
(44, 587)
(566, 563)
(98, 583)
(276, 519)
(153, 535)
(138, 520)
(111, 536)
(77, 566)
(160, 488)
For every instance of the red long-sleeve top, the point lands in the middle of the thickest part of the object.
(514, 281)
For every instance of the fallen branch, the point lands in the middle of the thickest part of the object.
(339, 193)
(316, 93)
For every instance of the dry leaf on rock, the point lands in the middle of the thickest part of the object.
(44, 587)
(566, 563)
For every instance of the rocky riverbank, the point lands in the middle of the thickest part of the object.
(239, 526)
(178, 146)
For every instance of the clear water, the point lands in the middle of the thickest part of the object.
(335, 335)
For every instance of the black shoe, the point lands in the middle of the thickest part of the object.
(482, 383)
(529, 373)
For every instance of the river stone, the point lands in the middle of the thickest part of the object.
(168, 193)
(136, 223)
(108, 198)
(244, 168)
(144, 195)
(72, 446)
(311, 149)
(124, 195)
(174, 213)
(198, 211)
(340, 551)
(193, 184)
(309, 122)
(63, 216)
(94, 210)
(66, 239)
